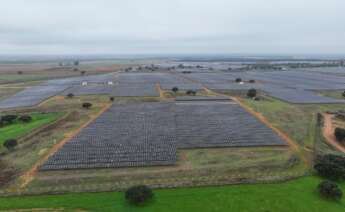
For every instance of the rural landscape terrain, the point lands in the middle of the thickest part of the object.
(260, 134)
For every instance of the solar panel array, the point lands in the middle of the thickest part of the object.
(126, 135)
(147, 134)
(31, 96)
(220, 124)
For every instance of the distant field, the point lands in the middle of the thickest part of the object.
(298, 196)
(9, 73)
(18, 129)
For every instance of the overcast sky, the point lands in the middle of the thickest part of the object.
(172, 26)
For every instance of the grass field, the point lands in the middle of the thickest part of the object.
(18, 128)
(298, 196)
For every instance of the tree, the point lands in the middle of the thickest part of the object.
(139, 194)
(343, 94)
(339, 134)
(10, 144)
(330, 166)
(191, 92)
(87, 105)
(251, 93)
(112, 99)
(20, 72)
(238, 80)
(8, 119)
(76, 63)
(330, 190)
(251, 81)
(75, 69)
(25, 118)
(175, 89)
(70, 95)
(82, 72)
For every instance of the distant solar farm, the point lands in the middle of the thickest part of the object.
(291, 86)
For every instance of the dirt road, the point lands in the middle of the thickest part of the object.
(328, 133)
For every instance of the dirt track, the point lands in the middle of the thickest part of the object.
(328, 133)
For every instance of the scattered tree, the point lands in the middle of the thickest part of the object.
(139, 194)
(25, 118)
(251, 93)
(76, 63)
(330, 166)
(70, 95)
(191, 92)
(175, 89)
(330, 190)
(8, 119)
(87, 105)
(238, 80)
(10, 144)
(339, 134)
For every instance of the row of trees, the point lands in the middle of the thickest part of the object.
(9, 119)
(339, 134)
(331, 167)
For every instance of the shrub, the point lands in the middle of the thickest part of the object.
(331, 167)
(82, 72)
(86, 105)
(191, 92)
(339, 134)
(10, 143)
(139, 194)
(344, 94)
(175, 89)
(9, 118)
(112, 99)
(19, 72)
(330, 190)
(251, 93)
(25, 118)
(238, 80)
(251, 81)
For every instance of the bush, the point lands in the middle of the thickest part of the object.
(70, 95)
(82, 72)
(19, 72)
(251, 81)
(175, 89)
(139, 194)
(238, 80)
(112, 99)
(86, 105)
(25, 118)
(10, 143)
(331, 167)
(251, 93)
(191, 92)
(339, 134)
(344, 94)
(8, 118)
(330, 190)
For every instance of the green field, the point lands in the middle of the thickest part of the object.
(298, 196)
(18, 128)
